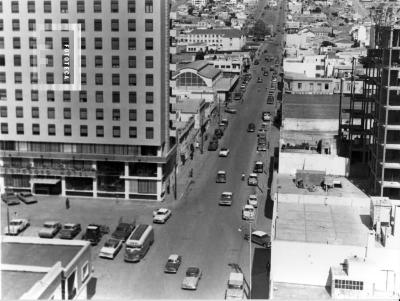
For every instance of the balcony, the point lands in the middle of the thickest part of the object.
(390, 184)
(69, 172)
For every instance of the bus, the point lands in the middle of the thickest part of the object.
(138, 243)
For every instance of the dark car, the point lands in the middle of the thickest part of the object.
(69, 231)
(237, 96)
(27, 197)
(123, 230)
(251, 128)
(256, 62)
(94, 233)
(265, 73)
(10, 198)
(218, 133)
(173, 263)
(259, 237)
(213, 145)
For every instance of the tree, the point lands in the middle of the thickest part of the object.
(259, 29)
(327, 43)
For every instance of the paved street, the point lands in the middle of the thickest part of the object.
(205, 234)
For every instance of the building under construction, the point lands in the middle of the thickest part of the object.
(374, 125)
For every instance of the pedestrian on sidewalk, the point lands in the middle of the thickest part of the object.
(67, 203)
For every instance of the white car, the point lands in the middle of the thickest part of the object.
(248, 213)
(226, 198)
(252, 200)
(224, 152)
(252, 179)
(192, 278)
(161, 215)
(17, 225)
(50, 229)
(111, 248)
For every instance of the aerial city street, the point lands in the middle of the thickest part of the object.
(200, 149)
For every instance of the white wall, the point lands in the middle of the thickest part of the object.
(334, 165)
(320, 125)
(329, 200)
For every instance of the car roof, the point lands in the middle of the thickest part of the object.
(221, 171)
(162, 210)
(51, 222)
(248, 207)
(259, 233)
(227, 192)
(173, 257)
(70, 224)
(92, 227)
(253, 175)
(259, 162)
(18, 219)
(252, 196)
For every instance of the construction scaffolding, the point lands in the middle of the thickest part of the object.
(374, 129)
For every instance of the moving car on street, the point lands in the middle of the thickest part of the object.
(173, 263)
(266, 116)
(251, 128)
(213, 145)
(237, 96)
(218, 133)
(252, 200)
(111, 248)
(265, 73)
(226, 198)
(50, 229)
(17, 225)
(259, 237)
(27, 197)
(235, 290)
(192, 278)
(10, 198)
(248, 213)
(230, 110)
(259, 80)
(221, 176)
(70, 230)
(224, 152)
(161, 215)
(123, 230)
(252, 180)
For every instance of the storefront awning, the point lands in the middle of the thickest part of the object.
(45, 181)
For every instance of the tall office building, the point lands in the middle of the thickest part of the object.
(84, 98)
(380, 133)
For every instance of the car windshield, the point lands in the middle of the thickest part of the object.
(68, 227)
(226, 196)
(121, 228)
(172, 260)
(191, 272)
(110, 243)
(15, 223)
(50, 226)
(235, 286)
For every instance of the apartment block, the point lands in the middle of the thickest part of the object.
(85, 98)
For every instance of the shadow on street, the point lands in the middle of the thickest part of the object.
(259, 275)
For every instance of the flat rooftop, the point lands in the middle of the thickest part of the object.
(320, 223)
(313, 106)
(15, 283)
(43, 255)
(287, 185)
(290, 291)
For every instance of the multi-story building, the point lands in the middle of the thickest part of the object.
(85, 98)
(218, 39)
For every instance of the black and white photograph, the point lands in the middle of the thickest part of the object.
(200, 149)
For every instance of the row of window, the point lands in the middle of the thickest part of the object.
(97, 26)
(80, 6)
(66, 95)
(83, 113)
(349, 284)
(98, 43)
(83, 131)
(98, 78)
(98, 61)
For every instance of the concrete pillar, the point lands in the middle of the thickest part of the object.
(94, 188)
(126, 174)
(160, 185)
(63, 186)
(2, 184)
(31, 183)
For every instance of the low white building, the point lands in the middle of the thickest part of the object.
(219, 39)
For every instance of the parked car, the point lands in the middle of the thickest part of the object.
(10, 198)
(252, 180)
(192, 278)
(27, 197)
(50, 229)
(252, 200)
(235, 289)
(111, 248)
(248, 213)
(16, 226)
(173, 263)
(70, 230)
(243, 87)
(213, 145)
(225, 121)
(224, 152)
(251, 128)
(231, 110)
(123, 230)
(264, 126)
(226, 198)
(218, 133)
(259, 80)
(259, 237)
(93, 234)
(221, 177)
(237, 96)
(265, 73)
(270, 100)
(266, 116)
(258, 167)
(161, 215)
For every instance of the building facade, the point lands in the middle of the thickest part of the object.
(85, 98)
